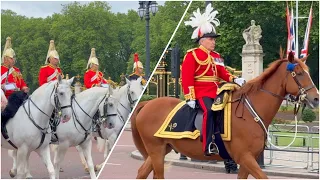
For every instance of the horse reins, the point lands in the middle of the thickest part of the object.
(298, 100)
(81, 125)
(44, 131)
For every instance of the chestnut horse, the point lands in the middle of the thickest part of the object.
(266, 93)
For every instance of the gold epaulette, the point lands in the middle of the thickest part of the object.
(190, 50)
(44, 66)
(216, 52)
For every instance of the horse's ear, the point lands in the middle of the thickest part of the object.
(59, 78)
(291, 57)
(127, 81)
(70, 80)
(304, 59)
(110, 90)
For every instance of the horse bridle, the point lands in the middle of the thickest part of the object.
(297, 101)
(44, 131)
(302, 93)
(105, 109)
(132, 102)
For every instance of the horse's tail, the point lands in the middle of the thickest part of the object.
(135, 133)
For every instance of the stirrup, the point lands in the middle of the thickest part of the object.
(215, 148)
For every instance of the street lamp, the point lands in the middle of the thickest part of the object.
(144, 11)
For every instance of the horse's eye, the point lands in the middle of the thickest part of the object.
(61, 93)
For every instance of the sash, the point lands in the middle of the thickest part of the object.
(94, 77)
(53, 75)
(5, 75)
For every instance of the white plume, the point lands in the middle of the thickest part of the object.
(203, 21)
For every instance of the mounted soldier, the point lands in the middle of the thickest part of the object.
(51, 70)
(202, 69)
(11, 77)
(137, 70)
(93, 77)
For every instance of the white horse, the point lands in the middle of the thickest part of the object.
(77, 132)
(124, 99)
(29, 129)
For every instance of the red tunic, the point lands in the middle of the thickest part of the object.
(92, 78)
(200, 73)
(48, 73)
(14, 76)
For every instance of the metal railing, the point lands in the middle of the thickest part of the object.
(306, 156)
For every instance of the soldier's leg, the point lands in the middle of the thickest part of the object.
(207, 126)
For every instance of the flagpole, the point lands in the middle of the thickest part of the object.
(297, 30)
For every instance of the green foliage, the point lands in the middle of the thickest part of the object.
(286, 108)
(283, 108)
(308, 115)
(80, 27)
(147, 97)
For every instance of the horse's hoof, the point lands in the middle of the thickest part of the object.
(87, 170)
(61, 170)
(29, 178)
(11, 174)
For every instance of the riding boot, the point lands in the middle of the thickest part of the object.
(54, 137)
(230, 166)
(212, 148)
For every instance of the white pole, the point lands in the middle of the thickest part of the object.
(297, 30)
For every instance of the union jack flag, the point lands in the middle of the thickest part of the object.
(304, 50)
(291, 33)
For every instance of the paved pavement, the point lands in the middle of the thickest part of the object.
(71, 165)
(121, 165)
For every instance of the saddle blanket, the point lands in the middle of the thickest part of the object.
(185, 122)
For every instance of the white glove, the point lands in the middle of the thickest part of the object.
(192, 104)
(240, 81)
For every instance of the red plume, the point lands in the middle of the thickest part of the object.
(136, 57)
(199, 33)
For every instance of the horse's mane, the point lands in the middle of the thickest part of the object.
(91, 91)
(118, 93)
(256, 83)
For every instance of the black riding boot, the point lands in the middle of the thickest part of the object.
(230, 166)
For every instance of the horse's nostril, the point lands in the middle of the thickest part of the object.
(316, 100)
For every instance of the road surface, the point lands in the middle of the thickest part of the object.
(71, 165)
(121, 166)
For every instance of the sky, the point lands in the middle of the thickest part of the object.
(47, 8)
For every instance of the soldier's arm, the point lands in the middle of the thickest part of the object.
(42, 76)
(187, 74)
(223, 73)
(87, 81)
(104, 81)
(62, 75)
